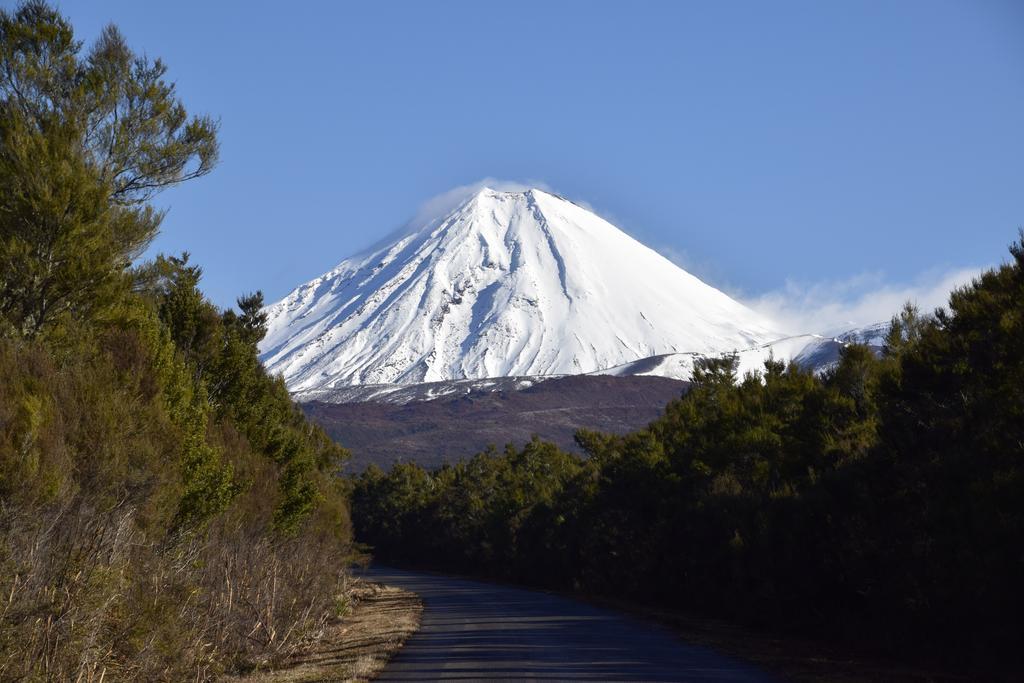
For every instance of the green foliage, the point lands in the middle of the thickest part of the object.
(166, 512)
(221, 350)
(881, 502)
(209, 485)
(126, 120)
(85, 141)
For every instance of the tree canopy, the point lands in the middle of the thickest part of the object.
(86, 140)
(166, 511)
(881, 502)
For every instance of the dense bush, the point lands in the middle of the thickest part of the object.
(166, 513)
(882, 502)
(141, 534)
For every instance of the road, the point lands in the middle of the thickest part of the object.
(482, 631)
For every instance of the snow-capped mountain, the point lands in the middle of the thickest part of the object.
(811, 351)
(507, 284)
(815, 352)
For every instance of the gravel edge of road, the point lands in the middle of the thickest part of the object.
(359, 645)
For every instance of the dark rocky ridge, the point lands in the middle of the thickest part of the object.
(451, 429)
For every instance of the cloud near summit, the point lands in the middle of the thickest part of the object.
(797, 307)
(440, 204)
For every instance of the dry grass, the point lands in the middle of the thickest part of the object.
(357, 646)
(97, 582)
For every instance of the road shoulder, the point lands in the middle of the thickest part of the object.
(358, 645)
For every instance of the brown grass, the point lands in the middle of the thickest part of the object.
(354, 647)
(96, 583)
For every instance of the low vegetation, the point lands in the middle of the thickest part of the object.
(166, 513)
(881, 503)
(376, 622)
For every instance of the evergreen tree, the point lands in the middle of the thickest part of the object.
(881, 502)
(86, 140)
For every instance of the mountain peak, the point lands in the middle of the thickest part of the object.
(507, 283)
(488, 192)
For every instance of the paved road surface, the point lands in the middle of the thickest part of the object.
(482, 631)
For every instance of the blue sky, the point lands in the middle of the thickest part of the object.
(800, 154)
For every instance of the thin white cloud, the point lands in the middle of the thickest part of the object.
(442, 204)
(861, 300)
(798, 307)
(445, 202)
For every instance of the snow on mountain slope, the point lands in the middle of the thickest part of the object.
(680, 365)
(402, 394)
(814, 352)
(507, 284)
(823, 353)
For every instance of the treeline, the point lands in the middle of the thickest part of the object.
(166, 513)
(880, 503)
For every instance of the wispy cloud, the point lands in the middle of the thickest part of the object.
(797, 307)
(861, 300)
(445, 202)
